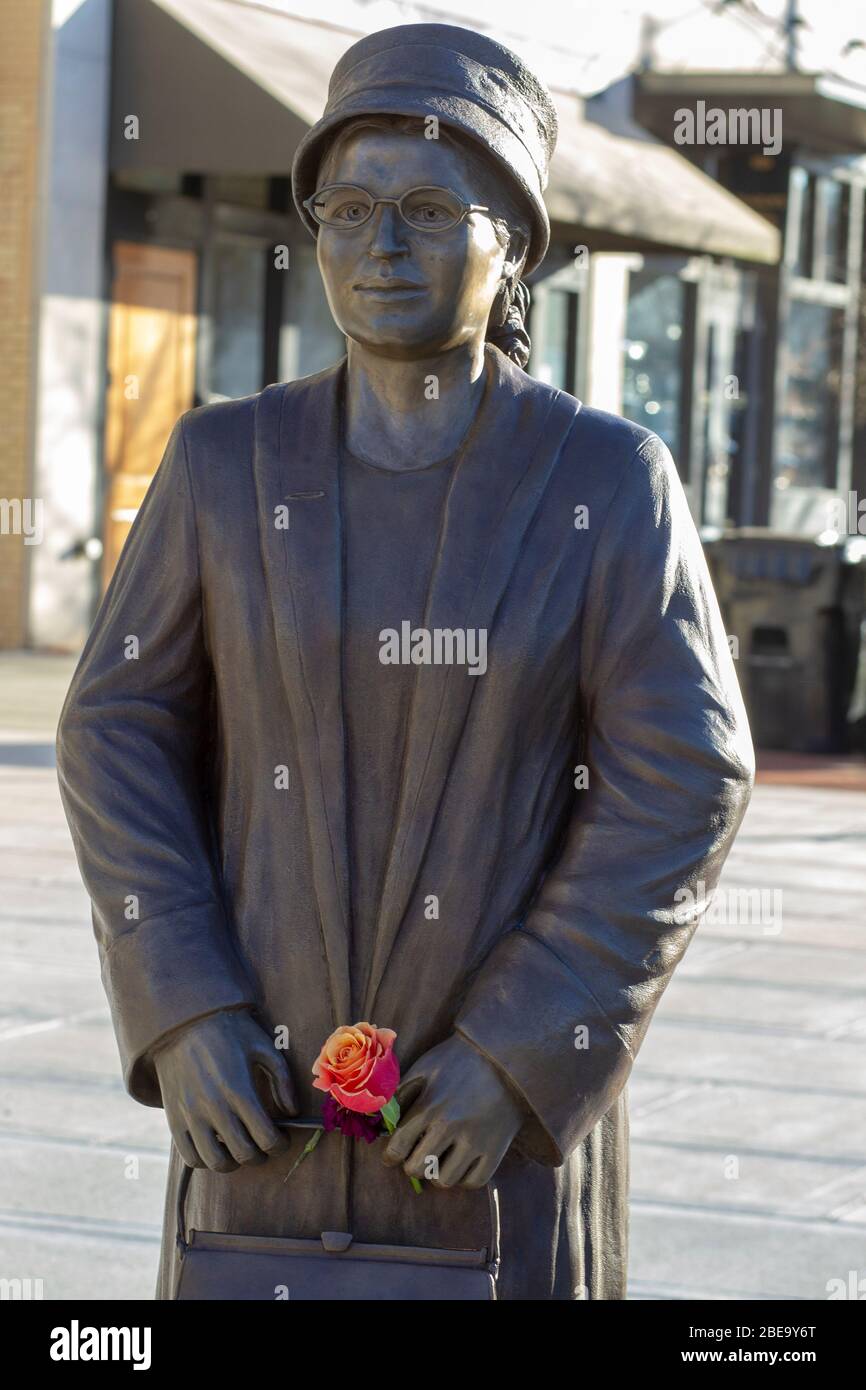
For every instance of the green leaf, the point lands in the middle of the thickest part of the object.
(311, 1143)
(307, 1149)
(391, 1114)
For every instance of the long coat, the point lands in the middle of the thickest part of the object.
(566, 897)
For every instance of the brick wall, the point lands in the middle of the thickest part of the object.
(24, 37)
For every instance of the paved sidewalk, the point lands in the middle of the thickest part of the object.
(82, 1165)
(748, 1115)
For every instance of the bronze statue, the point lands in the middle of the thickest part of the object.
(430, 717)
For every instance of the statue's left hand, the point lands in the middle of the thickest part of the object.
(457, 1109)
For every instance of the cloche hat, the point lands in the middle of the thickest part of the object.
(468, 81)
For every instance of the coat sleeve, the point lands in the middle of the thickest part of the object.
(670, 770)
(129, 756)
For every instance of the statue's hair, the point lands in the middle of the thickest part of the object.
(506, 327)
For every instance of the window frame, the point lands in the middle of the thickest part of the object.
(810, 499)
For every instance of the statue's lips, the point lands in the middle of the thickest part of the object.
(390, 289)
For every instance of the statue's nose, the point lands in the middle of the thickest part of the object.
(386, 236)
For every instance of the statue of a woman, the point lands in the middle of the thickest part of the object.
(430, 721)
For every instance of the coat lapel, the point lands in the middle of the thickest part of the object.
(297, 466)
(494, 494)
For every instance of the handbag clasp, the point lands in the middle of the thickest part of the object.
(335, 1242)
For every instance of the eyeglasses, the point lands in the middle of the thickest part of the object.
(344, 206)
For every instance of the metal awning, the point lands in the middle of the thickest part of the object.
(221, 87)
(819, 111)
(638, 187)
(218, 87)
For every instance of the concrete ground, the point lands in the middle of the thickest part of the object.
(747, 1100)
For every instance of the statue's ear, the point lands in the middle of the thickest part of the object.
(515, 255)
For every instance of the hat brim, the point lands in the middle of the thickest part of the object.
(459, 113)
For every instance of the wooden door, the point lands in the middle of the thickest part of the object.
(151, 363)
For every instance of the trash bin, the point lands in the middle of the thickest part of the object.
(796, 611)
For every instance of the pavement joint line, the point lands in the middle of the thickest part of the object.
(31, 881)
(93, 1146)
(51, 1025)
(823, 1188)
(770, 837)
(718, 949)
(747, 1026)
(644, 1289)
(778, 944)
(745, 1083)
(724, 1147)
(650, 1107)
(744, 1216)
(859, 1024)
(60, 967)
(849, 1212)
(107, 1081)
(57, 973)
(49, 920)
(46, 1224)
(692, 977)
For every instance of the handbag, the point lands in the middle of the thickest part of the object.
(216, 1265)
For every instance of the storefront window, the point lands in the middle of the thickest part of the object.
(803, 192)
(724, 409)
(808, 423)
(147, 181)
(835, 197)
(554, 351)
(237, 344)
(652, 375)
(310, 341)
(242, 190)
(820, 233)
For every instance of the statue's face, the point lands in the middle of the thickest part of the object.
(394, 289)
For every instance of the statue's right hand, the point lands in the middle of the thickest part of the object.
(207, 1078)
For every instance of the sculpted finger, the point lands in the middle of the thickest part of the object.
(186, 1148)
(266, 1135)
(456, 1162)
(486, 1167)
(276, 1068)
(237, 1140)
(432, 1145)
(404, 1138)
(478, 1173)
(215, 1155)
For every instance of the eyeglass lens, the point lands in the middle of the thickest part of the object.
(427, 209)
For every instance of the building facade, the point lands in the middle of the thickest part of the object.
(711, 295)
(24, 86)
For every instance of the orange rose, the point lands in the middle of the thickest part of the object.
(358, 1068)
